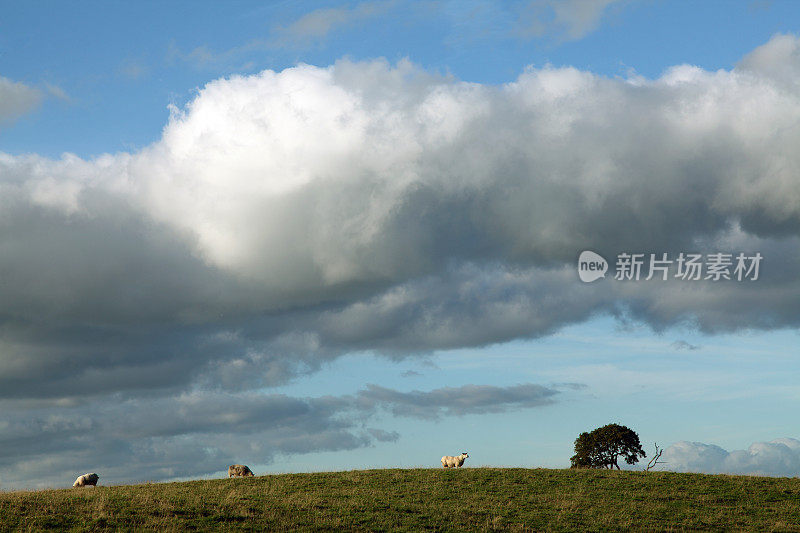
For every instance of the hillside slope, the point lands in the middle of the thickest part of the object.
(414, 499)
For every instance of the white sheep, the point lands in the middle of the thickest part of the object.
(448, 461)
(86, 479)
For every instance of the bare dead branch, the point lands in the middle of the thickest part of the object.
(655, 459)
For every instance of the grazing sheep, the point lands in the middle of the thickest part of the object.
(86, 479)
(448, 461)
(239, 471)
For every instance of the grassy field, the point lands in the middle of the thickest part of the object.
(422, 499)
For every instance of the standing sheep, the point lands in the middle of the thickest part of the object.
(239, 471)
(448, 461)
(86, 479)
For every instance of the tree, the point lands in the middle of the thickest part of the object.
(603, 447)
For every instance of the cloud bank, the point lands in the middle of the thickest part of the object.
(780, 457)
(361, 206)
(286, 218)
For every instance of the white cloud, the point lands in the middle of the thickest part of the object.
(779, 59)
(340, 138)
(568, 20)
(317, 24)
(16, 99)
(780, 457)
(134, 69)
(312, 28)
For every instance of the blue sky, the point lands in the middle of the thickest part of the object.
(120, 64)
(369, 260)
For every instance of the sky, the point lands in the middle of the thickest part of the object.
(311, 236)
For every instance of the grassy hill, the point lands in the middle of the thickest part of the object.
(415, 499)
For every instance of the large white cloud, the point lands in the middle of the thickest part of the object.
(337, 184)
(314, 178)
(365, 206)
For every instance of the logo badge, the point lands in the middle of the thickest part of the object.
(591, 266)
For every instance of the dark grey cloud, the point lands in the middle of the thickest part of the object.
(570, 386)
(448, 401)
(780, 457)
(188, 435)
(201, 432)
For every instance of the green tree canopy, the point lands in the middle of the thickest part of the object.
(603, 447)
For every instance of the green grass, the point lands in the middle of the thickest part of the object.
(513, 499)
